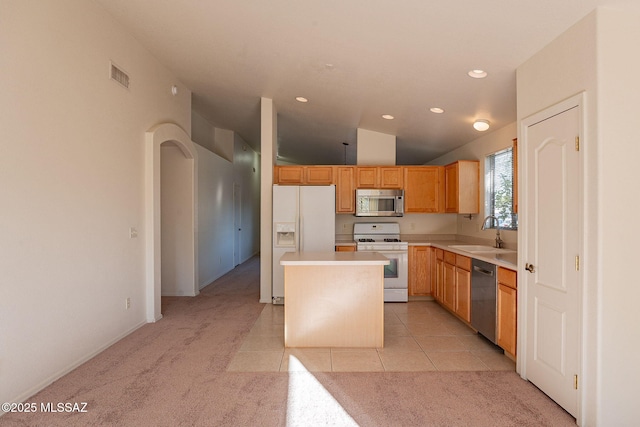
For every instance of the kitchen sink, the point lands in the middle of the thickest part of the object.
(481, 249)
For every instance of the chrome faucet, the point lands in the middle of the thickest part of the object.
(499, 242)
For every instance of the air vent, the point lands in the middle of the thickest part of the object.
(119, 76)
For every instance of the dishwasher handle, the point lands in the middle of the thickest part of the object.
(482, 271)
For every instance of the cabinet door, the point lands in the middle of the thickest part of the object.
(462, 187)
(391, 177)
(319, 175)
(366, 177)
(439, 278)
(507, 320)
(292, 175)
(422, 191)
(449, 285)
(451, 188)
(419, 270)
(463, 294)
(345, 190)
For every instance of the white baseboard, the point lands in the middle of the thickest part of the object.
(33, 390)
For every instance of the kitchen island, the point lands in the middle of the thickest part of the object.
(333, 299)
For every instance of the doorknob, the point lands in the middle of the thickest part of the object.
(530, 268)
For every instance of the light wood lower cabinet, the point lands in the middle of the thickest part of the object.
(449, 285)
(507, 310)
(463, 287)
(437, 280)
(456, 284)
(419, 270)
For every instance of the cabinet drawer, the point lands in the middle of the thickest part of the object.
(439, 253)
(463, 262)
(450, 258)
(507, 277)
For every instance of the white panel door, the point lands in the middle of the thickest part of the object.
(553, 218)
(317, 218)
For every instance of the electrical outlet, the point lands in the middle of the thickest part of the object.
(345, 227)
(412, 226)
(133, 233)
(127, 303)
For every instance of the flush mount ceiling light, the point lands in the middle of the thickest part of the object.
(477, 74)
(481, 125)
(436, 110)
(387, 116)
(301, 99)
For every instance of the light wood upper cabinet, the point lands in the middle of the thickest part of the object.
(303, 175)
(423, 186)
(291, 175)
(391, 177)
(507, 310)
(462, 187)
(319, 175)
(345, 190)
(419, 270)
(379, 177)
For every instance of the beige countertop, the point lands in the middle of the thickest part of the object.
(507, 260)
(333, 258)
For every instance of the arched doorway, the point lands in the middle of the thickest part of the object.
(177, 138)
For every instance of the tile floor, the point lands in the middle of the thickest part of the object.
(419, 336)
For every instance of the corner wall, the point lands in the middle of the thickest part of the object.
(73, 153)
(597, 55)
(478, 149)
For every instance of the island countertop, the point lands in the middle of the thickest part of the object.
(333, 258)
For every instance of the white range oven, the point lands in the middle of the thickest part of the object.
(384, 238)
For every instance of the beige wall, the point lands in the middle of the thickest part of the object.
(375, 148)
(72, 173)
(176, 177)
(618, 153)
(597, 55)
(268, 148)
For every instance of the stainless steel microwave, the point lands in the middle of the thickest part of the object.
(371, 202)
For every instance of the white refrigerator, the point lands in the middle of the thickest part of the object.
(304, 219)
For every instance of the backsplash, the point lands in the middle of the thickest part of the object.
(409, 223)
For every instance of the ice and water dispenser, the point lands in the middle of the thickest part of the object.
(285, 235)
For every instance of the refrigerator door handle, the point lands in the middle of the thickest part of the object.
(301, 234)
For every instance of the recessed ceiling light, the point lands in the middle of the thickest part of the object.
(301, 99)
(436, 110)
(477, 74)
(388, 116)
(481, 125)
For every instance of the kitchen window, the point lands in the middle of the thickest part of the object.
(498, 200)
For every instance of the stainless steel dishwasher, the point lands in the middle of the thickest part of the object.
(483, 298)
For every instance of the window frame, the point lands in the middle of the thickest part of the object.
(508, 221)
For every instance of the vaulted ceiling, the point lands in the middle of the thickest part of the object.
(354, 60)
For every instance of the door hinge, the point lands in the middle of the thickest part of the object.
(577, 262)
(575, 382)
(577, 143)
